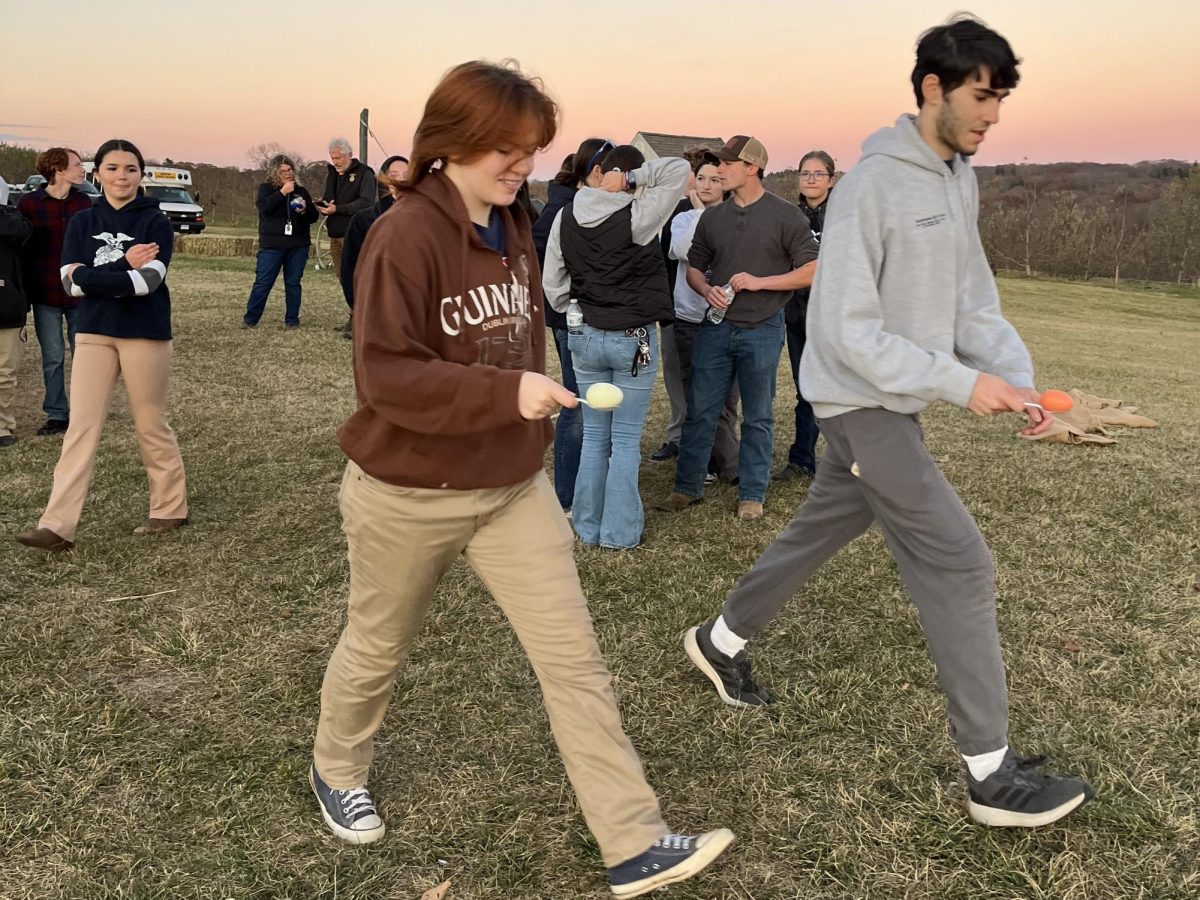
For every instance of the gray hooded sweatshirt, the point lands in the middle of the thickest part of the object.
(904, 309)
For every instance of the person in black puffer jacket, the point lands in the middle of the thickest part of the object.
(817, 173)
(14, 309)
(285, 214)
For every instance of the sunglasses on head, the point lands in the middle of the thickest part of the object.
(599, 154)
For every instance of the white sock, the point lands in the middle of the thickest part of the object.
(985, 764)
(725, 640)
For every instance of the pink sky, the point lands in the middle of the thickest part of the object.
(205, 81)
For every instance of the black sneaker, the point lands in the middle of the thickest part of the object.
(350, 814)
(729, 675)
(1020, 795)
(54, 426)
(7, 440)
(668, 450)
(672, 858)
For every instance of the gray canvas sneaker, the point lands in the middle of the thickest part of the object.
(350, 814)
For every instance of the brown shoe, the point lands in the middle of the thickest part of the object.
(677, 501)
(158, 526)
(750, 509)
(45, 539)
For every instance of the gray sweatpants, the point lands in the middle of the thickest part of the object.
(943, 560)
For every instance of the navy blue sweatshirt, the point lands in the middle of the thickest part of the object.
(560, 196)
(118, 301)
(274, 213)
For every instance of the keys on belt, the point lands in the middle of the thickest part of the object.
(641, 359)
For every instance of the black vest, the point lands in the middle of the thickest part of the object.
(619, 284)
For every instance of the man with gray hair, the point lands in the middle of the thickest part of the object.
(349, 188)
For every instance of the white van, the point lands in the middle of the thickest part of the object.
(170, 188)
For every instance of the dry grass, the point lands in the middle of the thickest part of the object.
(156, 748)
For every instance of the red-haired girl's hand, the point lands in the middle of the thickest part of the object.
(539, 396)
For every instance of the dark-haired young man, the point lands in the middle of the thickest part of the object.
(883, 343)
(762, 247)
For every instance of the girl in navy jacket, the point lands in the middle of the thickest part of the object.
(115, 259)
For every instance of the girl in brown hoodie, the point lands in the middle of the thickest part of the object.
(446, 451)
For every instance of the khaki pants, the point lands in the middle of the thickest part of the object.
(146, 368)
(401, 542)
(335, 253)
(10, 361)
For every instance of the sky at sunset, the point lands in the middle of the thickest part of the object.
(1115, 82)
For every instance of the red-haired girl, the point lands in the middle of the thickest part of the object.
(446, 451)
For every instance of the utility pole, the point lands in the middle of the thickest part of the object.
(363, 128)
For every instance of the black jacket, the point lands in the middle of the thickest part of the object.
(560, 196)
(665, 239)
(353, 241)
(14, 232)
(274, 212)
(352, 192)
(794, 312)
(619, 284)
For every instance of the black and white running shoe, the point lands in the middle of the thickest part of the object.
(730, 675)
(1020, 795)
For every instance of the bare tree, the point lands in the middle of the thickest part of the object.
(261, 154)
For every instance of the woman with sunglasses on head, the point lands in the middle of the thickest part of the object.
(581, 169)
(604, 253)
(115, 258)
(816, 182)
(446, 451)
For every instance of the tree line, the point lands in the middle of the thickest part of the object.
(1071, 220)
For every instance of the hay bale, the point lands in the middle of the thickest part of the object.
(215, 245)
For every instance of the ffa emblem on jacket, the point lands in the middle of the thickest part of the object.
(352, 177)
(113, 248)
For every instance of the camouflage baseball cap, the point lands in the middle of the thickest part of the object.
(747, 149)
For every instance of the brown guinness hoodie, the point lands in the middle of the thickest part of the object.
(444, 328)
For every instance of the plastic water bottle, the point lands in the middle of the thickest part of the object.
(717, 316)
(574, 317)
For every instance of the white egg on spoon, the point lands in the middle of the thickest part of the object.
(603, 397)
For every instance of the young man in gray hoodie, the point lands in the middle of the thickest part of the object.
(883, 343)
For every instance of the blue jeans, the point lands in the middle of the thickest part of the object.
(292, 262)
(48, 324)
(568, 431)
(608, 507)
(724, 352)
(803, 452)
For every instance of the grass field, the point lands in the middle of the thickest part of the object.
(155, 746)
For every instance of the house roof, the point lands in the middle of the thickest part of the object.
(675, 144)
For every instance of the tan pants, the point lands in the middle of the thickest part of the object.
(401, 542)
(10, 361)
(335, 252)
(146, 368)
